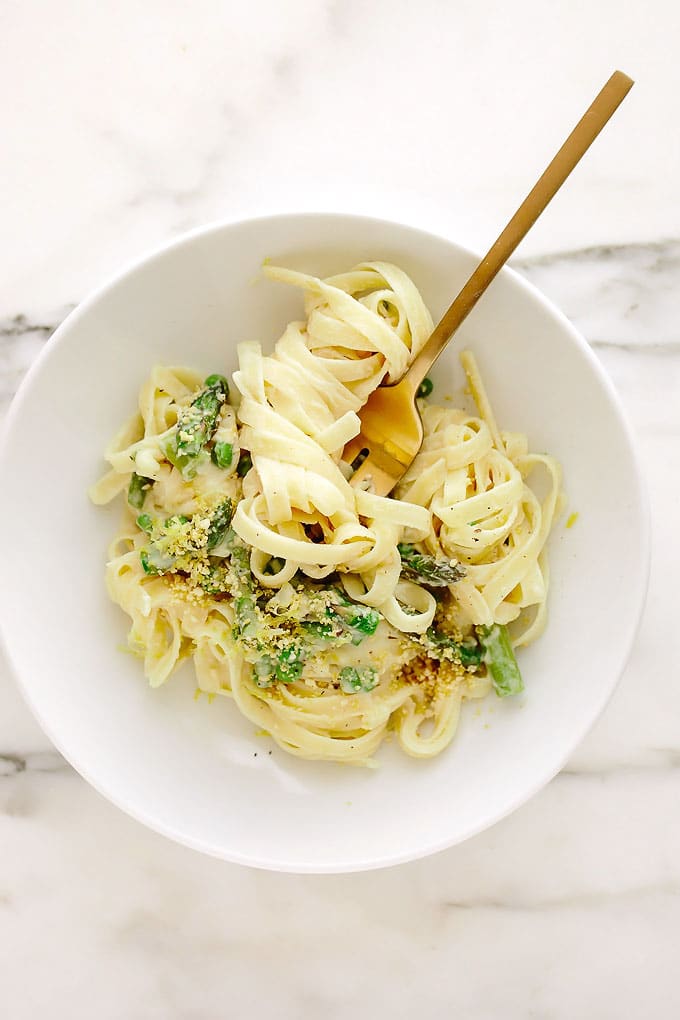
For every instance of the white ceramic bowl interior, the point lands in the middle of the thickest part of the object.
(196, 771)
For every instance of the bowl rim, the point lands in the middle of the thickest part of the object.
(639, 488)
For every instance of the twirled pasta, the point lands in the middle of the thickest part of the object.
(311, 545)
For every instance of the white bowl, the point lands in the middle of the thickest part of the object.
(197, 772)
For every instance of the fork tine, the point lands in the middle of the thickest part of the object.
(379, 467)
(354, 448)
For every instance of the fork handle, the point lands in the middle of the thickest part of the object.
(576, 145)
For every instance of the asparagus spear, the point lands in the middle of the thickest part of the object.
(500, 660)
(156, 560)
(360, 620)
(216, 581)
(428, 570)
(137, 490)
(247, 617)
(289, 663)
(145, 523)
(364, 620)
(466, 654)
(285, 667)
(196, 425)
(264, 671)
(197, 422)
(219, 523)
(240, 559)
(320, 629)
(354, 680)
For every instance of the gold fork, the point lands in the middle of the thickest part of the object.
(391, 429)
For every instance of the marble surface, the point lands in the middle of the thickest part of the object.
(125, 124)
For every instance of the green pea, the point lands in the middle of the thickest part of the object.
(222, 454)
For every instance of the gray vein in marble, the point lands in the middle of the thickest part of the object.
(21, 340)
(618, 296)
(19, 326)
(572, 901)
(40, 761)
(658, 256)
(651, 759)
(624, 294)
(637, 347)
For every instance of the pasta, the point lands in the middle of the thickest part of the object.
(332, 616)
